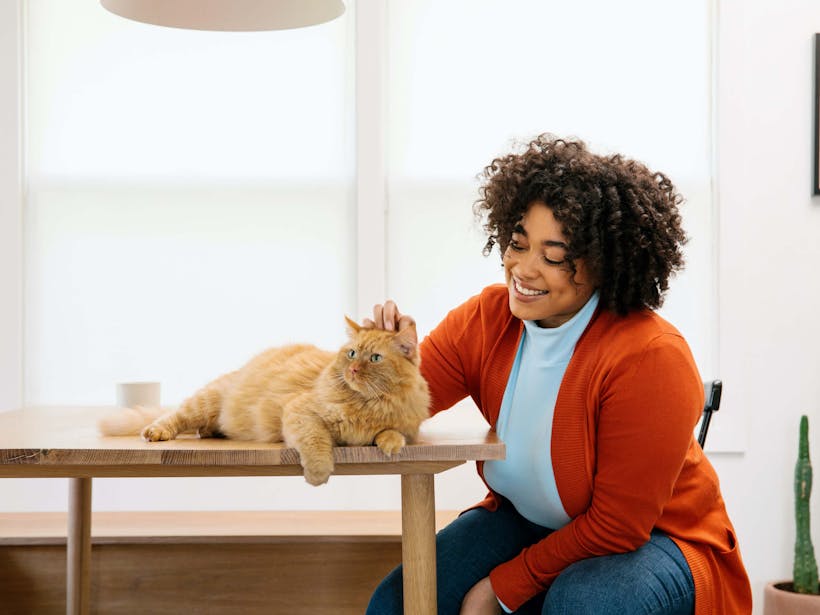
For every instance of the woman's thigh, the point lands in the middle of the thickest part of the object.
(466, 551)
(655, 579)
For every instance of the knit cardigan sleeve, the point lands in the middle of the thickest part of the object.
(444, 365)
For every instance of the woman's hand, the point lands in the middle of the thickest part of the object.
(481, 600)
(388, 317)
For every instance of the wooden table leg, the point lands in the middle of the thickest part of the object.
(78, 547)
(418, 543)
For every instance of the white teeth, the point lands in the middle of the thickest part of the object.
(527, 291)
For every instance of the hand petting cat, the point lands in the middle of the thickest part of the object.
(387, 316)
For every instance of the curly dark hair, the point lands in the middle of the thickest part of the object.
(616, 214)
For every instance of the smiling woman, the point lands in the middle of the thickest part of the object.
(593, 393)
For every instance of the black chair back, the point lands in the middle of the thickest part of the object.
(713, 390)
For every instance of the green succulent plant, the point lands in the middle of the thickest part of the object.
(805, 564)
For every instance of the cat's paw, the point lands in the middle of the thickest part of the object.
(390, 442)
(155, 432)
(317, 471)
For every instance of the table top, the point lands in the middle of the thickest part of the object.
(63, 441)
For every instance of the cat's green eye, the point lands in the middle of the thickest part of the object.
(375, 358)
(351, 354)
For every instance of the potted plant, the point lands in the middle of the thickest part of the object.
(799, 596)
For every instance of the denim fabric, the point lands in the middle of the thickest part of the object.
(654, 579)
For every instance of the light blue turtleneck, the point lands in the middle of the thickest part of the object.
(526, 476)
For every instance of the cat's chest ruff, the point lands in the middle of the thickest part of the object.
(359, 427)
(350, 435)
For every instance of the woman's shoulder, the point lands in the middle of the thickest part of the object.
(615, 337)
(636, 325)
(491, 300)
(486, 313)
(643, 340)
(495, 297)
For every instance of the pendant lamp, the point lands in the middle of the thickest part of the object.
(228, 15)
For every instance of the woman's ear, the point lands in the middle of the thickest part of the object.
(407, 341)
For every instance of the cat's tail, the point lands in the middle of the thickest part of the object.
(128, 421)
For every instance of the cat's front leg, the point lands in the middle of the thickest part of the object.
(389, 441)
(317, 467)
(308, 434)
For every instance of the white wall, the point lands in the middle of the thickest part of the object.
(769, 256)
(11, 234)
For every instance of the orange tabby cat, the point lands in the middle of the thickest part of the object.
(370, 392)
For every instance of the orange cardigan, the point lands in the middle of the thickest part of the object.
(623, 449)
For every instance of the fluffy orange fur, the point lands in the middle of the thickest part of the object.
(369, 392)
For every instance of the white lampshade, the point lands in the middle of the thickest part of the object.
(228, 15)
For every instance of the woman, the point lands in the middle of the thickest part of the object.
(605, 502)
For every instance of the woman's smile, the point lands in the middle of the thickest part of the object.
(526, 292)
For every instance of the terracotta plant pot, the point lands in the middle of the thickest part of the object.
(778, 599)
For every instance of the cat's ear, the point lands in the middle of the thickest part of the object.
(352, 327)
(407, 341)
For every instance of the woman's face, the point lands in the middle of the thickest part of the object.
(539, 281)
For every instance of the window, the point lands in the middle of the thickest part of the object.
(190, 198)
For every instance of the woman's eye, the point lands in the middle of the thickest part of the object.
(515, 246)
(555, 255)
(351, 354)
(375, 358)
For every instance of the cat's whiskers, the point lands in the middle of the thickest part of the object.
(375, 388)
(341, 382)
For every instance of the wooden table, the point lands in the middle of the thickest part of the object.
(62, 442)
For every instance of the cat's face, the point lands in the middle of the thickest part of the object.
(374, 362)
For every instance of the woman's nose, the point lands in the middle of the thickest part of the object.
(527, 265)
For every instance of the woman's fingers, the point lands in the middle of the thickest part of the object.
(390, 315)
(387, 316)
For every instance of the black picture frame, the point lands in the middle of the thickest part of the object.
(816, 189)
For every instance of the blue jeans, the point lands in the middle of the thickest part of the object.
(655, 579)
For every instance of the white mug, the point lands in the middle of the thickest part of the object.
(131, 394)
